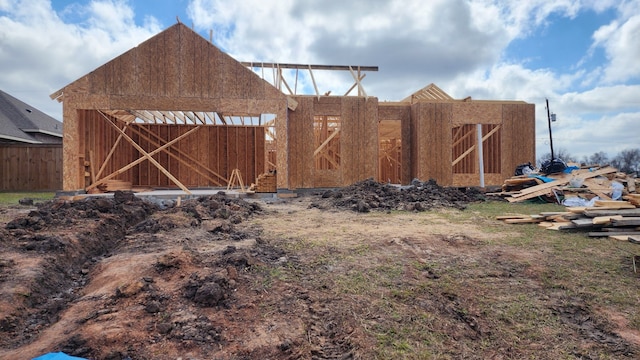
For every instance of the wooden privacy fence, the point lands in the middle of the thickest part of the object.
(30, 167)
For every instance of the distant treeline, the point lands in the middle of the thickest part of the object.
(627, 161)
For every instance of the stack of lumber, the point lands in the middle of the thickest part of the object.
(619, 220)
(115, 185)
(585, 183)
(265, 183)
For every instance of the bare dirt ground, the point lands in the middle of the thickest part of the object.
(364, 272)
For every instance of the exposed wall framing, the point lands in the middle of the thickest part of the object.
(332, 141)
(172, 82)
(197, 155)
(446, 136)
(178, 112)
(394, 154)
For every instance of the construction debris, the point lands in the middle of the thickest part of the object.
(599, 201)
(265, 183)
(575, 186)
(618, 220)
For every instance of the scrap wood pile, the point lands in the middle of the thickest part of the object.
(581, 183)
(587, 194)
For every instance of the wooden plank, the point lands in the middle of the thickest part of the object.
(529, 220)
(583, 222)
(601, 220)
(197, 167)
(512, 216)
(625, 221)
(150, 158)
(606, 233)
(594, 186)
(607, 212)
(92, 165)
(619, 237)
(140, 159)
(562, 226)
(614, 204)
(563, 180)
(324, 144)
(531, 195)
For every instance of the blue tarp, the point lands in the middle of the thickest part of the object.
(569, 169)
(57, 356)
(543, 178)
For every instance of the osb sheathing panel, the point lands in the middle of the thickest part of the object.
(71, 175)
(431, 142)
(518, 137)
(174, 70)
(178, 63)
(358, 141)
(474, 179)
(301, 144)
(476, 113)
(400, 113)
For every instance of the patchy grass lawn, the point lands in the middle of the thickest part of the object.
(337, 284)
(459, 284)
(12, 198)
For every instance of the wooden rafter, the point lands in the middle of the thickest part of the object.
(167, 116)
(305, 66)
(314, 82)
(284, 81)
(361, 91)
(355, 84)
(429, 92)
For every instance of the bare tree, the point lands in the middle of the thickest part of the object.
(561, 154)
(599, 158)
(627, 160)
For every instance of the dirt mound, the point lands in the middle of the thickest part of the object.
(368, 195)
(58, 213)
(50, 256)
(120, 278)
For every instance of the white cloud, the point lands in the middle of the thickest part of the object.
(610, 133)
(620, 41)
(457, 44)
(44, 53)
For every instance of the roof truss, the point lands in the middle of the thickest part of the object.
(281, 83)
(175, 117)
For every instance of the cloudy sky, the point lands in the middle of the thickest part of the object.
(582, 55)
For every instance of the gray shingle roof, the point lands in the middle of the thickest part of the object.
(22, 122)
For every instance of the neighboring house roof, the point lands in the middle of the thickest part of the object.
(21, 122)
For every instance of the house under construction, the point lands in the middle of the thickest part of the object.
(177, 112)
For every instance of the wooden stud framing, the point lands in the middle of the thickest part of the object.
(177, 81)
